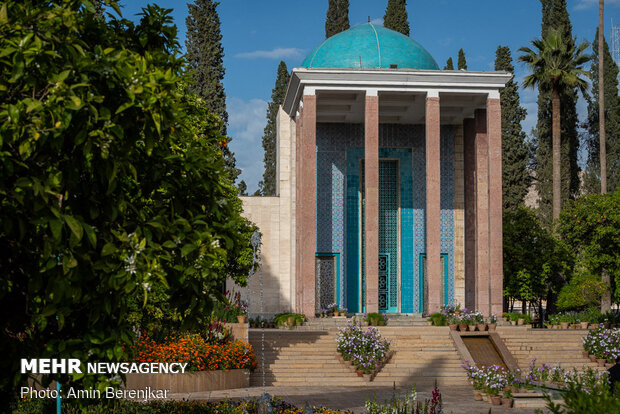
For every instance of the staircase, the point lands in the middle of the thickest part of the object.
(549, 346)
(307, 356)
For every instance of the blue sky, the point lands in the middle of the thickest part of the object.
(258, 34)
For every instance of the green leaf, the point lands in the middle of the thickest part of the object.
(124, 106)
(108, 249)
(63, 75)
(157, 121)
(187, 249)
(4, 16)
(90, 234)
(56, 228)
(75, 226)
(169, 244)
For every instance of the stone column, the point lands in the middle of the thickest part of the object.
(482, 213)
(494, 131)
(433, 202)
(298, 222)
(371, 190)
(469, 140)
(308, 206)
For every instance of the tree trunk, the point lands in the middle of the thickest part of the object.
(606, 299)
(557, 159)
(601, 97)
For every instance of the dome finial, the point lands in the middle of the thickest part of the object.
(368, 19)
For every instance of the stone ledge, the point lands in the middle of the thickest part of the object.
(191, 381)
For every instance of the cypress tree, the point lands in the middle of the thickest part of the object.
(243, 188)
(555, 16)
(515, 150)
(205, 57)
(337, 17)
(449, 64)
(462, 63)
(396, 16)
(267, 186)
(592, 181)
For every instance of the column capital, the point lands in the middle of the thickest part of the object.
(432, 93)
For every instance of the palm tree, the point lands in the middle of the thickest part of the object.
(556, 66)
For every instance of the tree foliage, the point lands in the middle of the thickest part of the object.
(533, 257)
(112, 184)
(515, 150)
(591, 227)
(205, 58)
(337, 17)
(267, 186)
(592, 180)
(449, 64)
(555, 16)
(396, 16)
(462, 62)
(556, 66)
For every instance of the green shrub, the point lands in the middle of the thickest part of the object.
(578, 400)
(282, 318)
(375, 319)
(438, 319)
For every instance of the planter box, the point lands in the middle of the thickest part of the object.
(190, 381)
(239, 331)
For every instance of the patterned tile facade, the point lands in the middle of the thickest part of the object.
(339, 150)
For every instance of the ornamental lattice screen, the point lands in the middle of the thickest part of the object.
(389, 188)
(326, 284)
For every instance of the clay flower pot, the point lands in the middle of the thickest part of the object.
(592, 357)
(585, 354)
(564, 325)
(453, 327)
(242, 318)
(477, 395)
(508, 402)
(496, 400)
(359, 373)
(367, 377)
(462, 327)
(492, 326)
(584, 325)
(481, 327)
(521, 321)
(601, 362)
(336, 313)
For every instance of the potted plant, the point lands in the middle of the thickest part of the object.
(507, 398)
(453, 322)
(492, 322)
(478, 320)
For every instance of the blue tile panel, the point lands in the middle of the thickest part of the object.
(447, 205)
(339, 150)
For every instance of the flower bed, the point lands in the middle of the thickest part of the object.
(196, 352)
(254, 405)
(604, 344)
(363, 348)
(463, 319)
(498, 381)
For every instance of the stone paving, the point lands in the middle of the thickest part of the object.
(456, 399)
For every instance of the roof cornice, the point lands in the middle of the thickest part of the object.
(385, 80)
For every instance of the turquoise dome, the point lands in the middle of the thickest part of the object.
(368, 46)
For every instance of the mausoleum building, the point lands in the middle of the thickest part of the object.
(389, 183)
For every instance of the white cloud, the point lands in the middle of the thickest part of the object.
(586, 4)
(377, 21)
(246, 122)
(277, 53)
